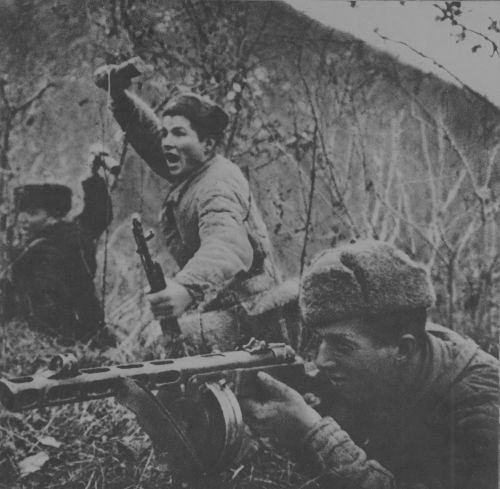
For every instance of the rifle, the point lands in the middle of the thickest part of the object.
(155, 276)
(200, 429)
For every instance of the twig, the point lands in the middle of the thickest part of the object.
(311, 199)
(451, 15)
(324, 150)
(436, 63)
(412, 225)
(453, 143)
(146, 465)
(37, 95)
(90, 480)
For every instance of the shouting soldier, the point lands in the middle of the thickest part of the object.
(210, 219)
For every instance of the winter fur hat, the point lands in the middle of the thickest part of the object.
(365, 278)
(53, 197)
(207, 118)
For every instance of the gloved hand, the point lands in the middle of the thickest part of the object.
(117, 78)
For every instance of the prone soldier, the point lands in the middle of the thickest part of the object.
(411, 406)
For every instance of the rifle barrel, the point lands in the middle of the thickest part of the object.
(87, 384)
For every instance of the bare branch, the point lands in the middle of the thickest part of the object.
(412, 225)
(453, 192)
(436, 63)
(26, 105)
(324, 150)
(452, 14)
(311, 199)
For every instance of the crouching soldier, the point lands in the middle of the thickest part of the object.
(412, 406)
(211, 223)
(52, 273)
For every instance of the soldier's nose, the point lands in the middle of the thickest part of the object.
(324, 361)
(166, 142)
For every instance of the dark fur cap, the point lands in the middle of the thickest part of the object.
(53, 197)
(206, 117)
(365, 278)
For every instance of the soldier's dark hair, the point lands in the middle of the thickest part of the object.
(387, 329)
(206, 118)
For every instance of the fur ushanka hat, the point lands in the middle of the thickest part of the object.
(53, 197)
(365, 278)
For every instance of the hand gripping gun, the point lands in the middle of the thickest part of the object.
(199, 431)
(154, 273)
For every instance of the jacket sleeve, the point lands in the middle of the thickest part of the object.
(339, 459)
(97, 211)
(225, 250)
(142, 129)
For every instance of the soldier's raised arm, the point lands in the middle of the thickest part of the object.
(139, 122)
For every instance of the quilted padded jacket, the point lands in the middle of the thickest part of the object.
(445, 436)
(210, 220)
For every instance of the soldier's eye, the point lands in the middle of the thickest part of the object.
(345, 348)
(341, 345)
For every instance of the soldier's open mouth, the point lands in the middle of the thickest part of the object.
(172, 157)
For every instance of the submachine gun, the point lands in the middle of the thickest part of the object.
(153, 270)
(200, 430)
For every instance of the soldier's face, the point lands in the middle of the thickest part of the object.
(358, 368)
(33, 221)
(183, 150)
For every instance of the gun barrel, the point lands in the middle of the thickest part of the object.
(99, 382)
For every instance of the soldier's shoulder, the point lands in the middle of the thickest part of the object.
(462, 344)
(220, 178)
(225, 170)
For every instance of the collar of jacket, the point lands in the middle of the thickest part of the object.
(56, 230)
(446, 358)
(177, 191)
(7, 272)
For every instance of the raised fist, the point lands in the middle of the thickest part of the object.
(117, 78)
